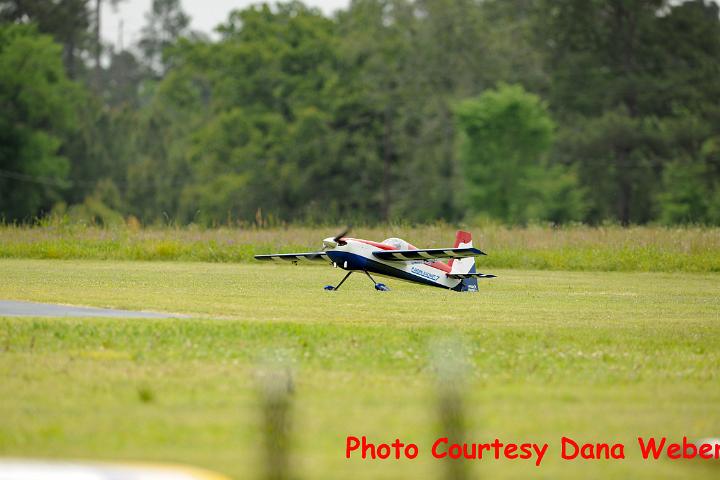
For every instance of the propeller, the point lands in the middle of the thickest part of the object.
(336, 240)
(341, 235)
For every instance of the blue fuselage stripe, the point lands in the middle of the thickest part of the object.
(358, 262)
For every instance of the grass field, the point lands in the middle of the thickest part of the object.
(576, 248)
(600, 357)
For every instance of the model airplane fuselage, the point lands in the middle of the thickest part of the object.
(396, 258)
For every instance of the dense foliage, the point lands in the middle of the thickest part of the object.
(514, 110)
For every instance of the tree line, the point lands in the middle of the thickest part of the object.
(457, 110)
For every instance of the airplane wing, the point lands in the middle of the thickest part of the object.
(470, 275)
(426, 254)
(294, 257)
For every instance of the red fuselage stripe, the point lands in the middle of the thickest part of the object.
(439, 265)
(374, 244)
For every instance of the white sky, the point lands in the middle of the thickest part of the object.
(205, 15)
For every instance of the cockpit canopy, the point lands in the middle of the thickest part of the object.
(398, 243)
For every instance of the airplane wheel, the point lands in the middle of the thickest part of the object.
(329, 287)
(382, 287)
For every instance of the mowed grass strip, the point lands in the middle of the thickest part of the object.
(600, 357)
(578, 248)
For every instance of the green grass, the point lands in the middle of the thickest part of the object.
(578, 248)
(601, 357)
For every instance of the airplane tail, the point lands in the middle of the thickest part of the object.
(461, 266)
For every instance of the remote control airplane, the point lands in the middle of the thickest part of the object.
(396, 258)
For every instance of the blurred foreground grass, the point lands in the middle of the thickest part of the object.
(691, 249)
(600, 357)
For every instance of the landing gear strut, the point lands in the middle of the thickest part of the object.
(378, 286)
(330, 287)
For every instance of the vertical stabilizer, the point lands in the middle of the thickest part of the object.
(464, 265)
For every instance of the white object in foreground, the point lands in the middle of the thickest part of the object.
(16, 469)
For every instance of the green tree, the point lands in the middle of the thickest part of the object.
(632, 85)
(37, 112)
(166, 22)
(373, 107)
(122, 80)
(507, 132)
(248, 96)
(97, 40)
(616, 156)
(685, 197)
(68, 21)
(160, 167)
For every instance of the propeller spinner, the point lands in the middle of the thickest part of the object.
(332, 242)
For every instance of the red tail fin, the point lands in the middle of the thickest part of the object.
(460, 237)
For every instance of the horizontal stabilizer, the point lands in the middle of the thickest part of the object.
(426, 254)
(470, 275)
(294, 257)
